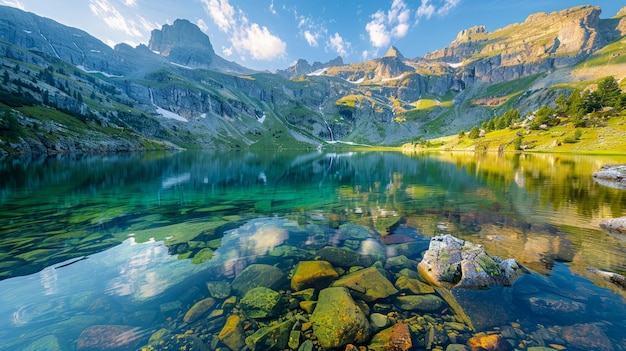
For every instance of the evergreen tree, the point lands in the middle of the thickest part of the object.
(560, 106)
(608, 92)
(474, 133)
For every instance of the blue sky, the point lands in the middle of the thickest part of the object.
(272, 34)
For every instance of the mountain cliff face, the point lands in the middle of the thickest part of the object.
(65, 91)
(542, 42)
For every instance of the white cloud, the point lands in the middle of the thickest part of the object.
(130, 3)
(147, 25)
(113, 18)
(272, 9)
(340, 46)
(14, 3)
(222, 14)
(259, 42)
(386, 26)
(227, 51)
(245, 37)
(426, 10)
(202, 25)
(447, 6)
(365, 55)
(310, 38)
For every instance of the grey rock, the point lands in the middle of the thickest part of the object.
(613, 176)
(256, 275)
(452, 262)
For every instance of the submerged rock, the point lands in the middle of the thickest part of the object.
(487, 342)
(198, 309)
(367, 284)
(396, 338)
(256, 275)
(586, 337)
(108, 337)
(338, 320)
(317, 274)
(613, 176)
(343, 258)
(232, 334)
(452, 262)
(219, 290)
(424, 303)
(261, 302)
(551, 305)
(48, 343)
(272, 338)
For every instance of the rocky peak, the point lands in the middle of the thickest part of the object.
(476, 33)
(183, 43)
(302, 67)
(394, 52)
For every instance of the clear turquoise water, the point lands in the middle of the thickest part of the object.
(117, 239)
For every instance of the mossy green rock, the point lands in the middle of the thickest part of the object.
(232, 334)
(219, 290)
(48, 343)
(338, 320)
(202, 256)
(261, 302)
(272, 338)
(367, 284)
(414, 286)
(198, 309)
(316, 274)
(256, 275)
(425, 303)
(343, 257)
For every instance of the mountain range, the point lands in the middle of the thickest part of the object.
(66, 91)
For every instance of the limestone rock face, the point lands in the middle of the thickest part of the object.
(183, 43)
(338, 320)
(452, 262)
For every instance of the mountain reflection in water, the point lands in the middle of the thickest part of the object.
(126, 244)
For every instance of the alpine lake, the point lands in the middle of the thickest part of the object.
(285, 250)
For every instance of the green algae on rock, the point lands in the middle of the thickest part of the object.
(318, 274)
(338, 320)
(261, 302)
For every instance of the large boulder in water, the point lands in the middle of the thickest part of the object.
(338, 320)
(613, 176)
(452, 262)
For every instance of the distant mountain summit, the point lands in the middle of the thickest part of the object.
(183, 43)
(302, 67)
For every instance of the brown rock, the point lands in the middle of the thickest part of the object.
(586, 337)
(196, 311)
(487, 342)
(233, 335)
(108, 337)
(316, 274)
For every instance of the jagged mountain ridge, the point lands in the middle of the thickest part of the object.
(177, 90)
